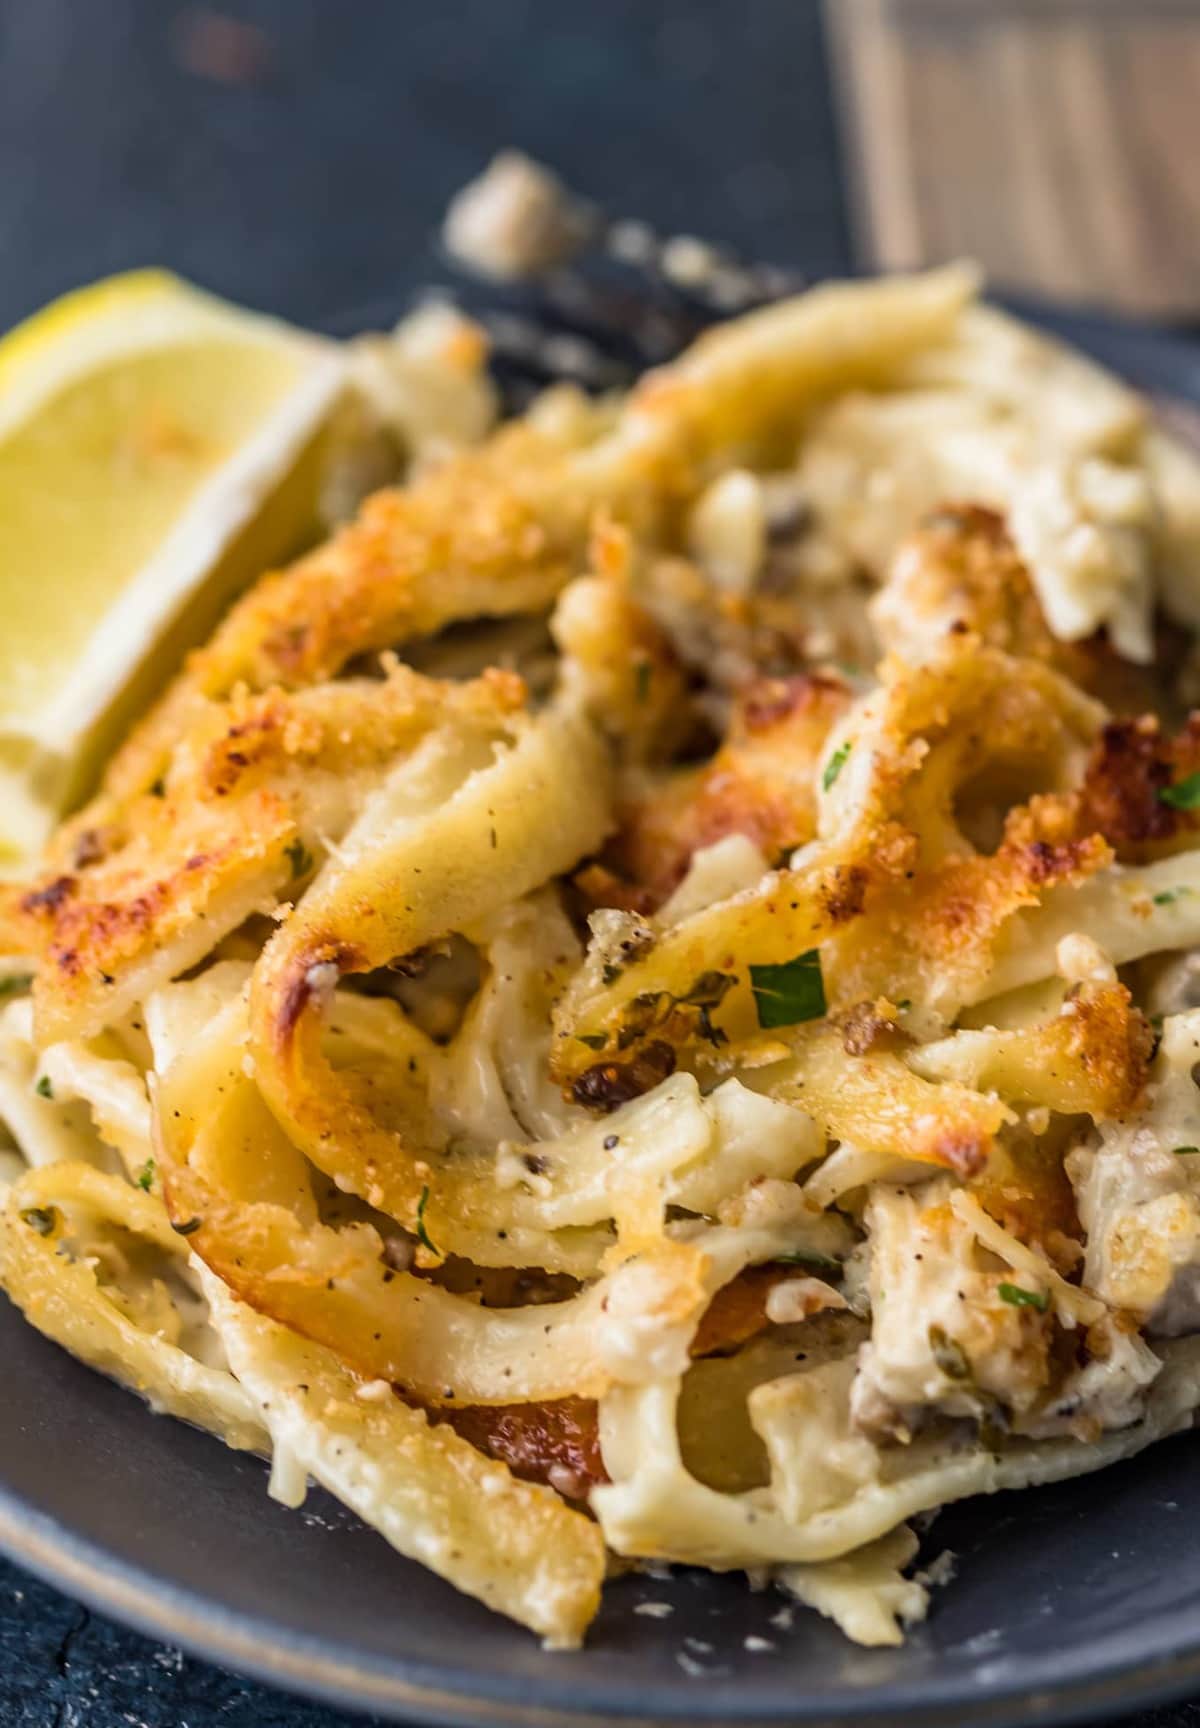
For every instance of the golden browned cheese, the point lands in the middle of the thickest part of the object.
(959, 570)
(927, 928)
(931, 843)
(254, 787)
(1125, 796)
(1122, 796)
(762, 782)
(251, 800)
(489, 533)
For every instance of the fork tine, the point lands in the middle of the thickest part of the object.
(625, 297)
(635, 296)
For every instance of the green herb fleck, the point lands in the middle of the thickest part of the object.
(610, 972)
(16, 985)
(814, 1262)
(145, 1176)
(714, 1035)
(423, 1234)
(647, 1010)
(949, 1355)
(593, 1040)
(835, 764)
(1170, 895)
(300, 858)
(188, 1227)
(903, 1007)
(642, 673)
(1184, 796)
(43, 1088)
(1184, 1151)
(709, 990)
(1016, 1297)
(43, 1219)
(789, 994)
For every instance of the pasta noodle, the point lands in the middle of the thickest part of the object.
(638, 1000)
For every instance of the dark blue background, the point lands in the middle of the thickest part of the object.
(307, 177)
(300, 163)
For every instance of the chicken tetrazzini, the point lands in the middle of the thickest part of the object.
(640, 1002)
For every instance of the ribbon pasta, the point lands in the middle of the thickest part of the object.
(641, 999)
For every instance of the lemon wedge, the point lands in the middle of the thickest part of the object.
(158, 449)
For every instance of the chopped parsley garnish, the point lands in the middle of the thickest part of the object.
(789, 994)
(43, 1088)
(949, 1354)
(642, 673)
(648, 1010)
(1184, 796)
(835, 764)
(714, 1035)
(813, 1262)
(1156, 1026)
(188, 1227)
(1017, 1297)
(14, 985)
(1184, 1151)
(709, 990)
(1170, 895)
(145, 1176)
(43, 1219)
(423, 1234)
(903, 1007)
(704, 994)
(300, 858)
(652, 1009)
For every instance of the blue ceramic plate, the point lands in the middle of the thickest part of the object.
(1069, 1602)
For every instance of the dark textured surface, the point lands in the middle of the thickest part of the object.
(301, 160)
(298, 160)
(64, 1667)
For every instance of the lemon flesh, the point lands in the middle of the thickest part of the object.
(158, 449)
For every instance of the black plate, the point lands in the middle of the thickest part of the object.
(1069, 1602)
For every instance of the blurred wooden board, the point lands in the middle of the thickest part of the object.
(1057, 141)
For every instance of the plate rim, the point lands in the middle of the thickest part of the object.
(261, 1649)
